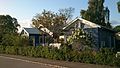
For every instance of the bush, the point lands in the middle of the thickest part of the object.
(104, 56)
(2, 49)
(87, 57)
(117, 61)
(14, 40)
(11, 50)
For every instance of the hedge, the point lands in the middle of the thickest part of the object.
(104, 56)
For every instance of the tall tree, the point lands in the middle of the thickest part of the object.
(117, 28)
(67, 12)
(118, 4)
(52, 21)
(96, 12)
(49, 20)
(107, 18)
(45, 18)
(8, 25)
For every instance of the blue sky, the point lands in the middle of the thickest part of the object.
(25, 10)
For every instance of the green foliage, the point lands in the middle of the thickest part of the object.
(14, 40)
(11, 50)
(96, 13)
(2, 49)
(8, 26)
(9, 40)
(118, 5)
(53, 21)
(80, 40)
(117, 28)
(78, 35)
(117, 61)
(104, 56)
(87, 57)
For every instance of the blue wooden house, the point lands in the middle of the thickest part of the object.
(103, 37)
(35, 36)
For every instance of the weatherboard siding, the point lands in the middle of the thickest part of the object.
(102, 37)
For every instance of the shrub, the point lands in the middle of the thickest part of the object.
(2, 49)
(104, 56)
(117, 61)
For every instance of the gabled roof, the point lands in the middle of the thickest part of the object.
(91, 24)
(32, 30)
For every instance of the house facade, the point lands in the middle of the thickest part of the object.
(103, 37)
(35, 36)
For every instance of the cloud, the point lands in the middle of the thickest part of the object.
(115, 22)
(6, 11)
(24, 24)
(3, 12)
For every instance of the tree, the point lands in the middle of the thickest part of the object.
(52, 21)
(117, 28)
(8, 25)
(10, 40)
(49, 20)
(80, 40)
(118, 4)
(107, 18)
(96, 13)
(67, 12)
(45, 18)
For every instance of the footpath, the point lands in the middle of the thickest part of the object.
(57, 63)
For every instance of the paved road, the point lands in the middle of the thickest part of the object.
(7, 62)
(14, 61)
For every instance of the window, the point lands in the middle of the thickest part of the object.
(32, 40)
(82, 25)
(102, 44)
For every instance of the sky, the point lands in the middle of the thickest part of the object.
(25, 10)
